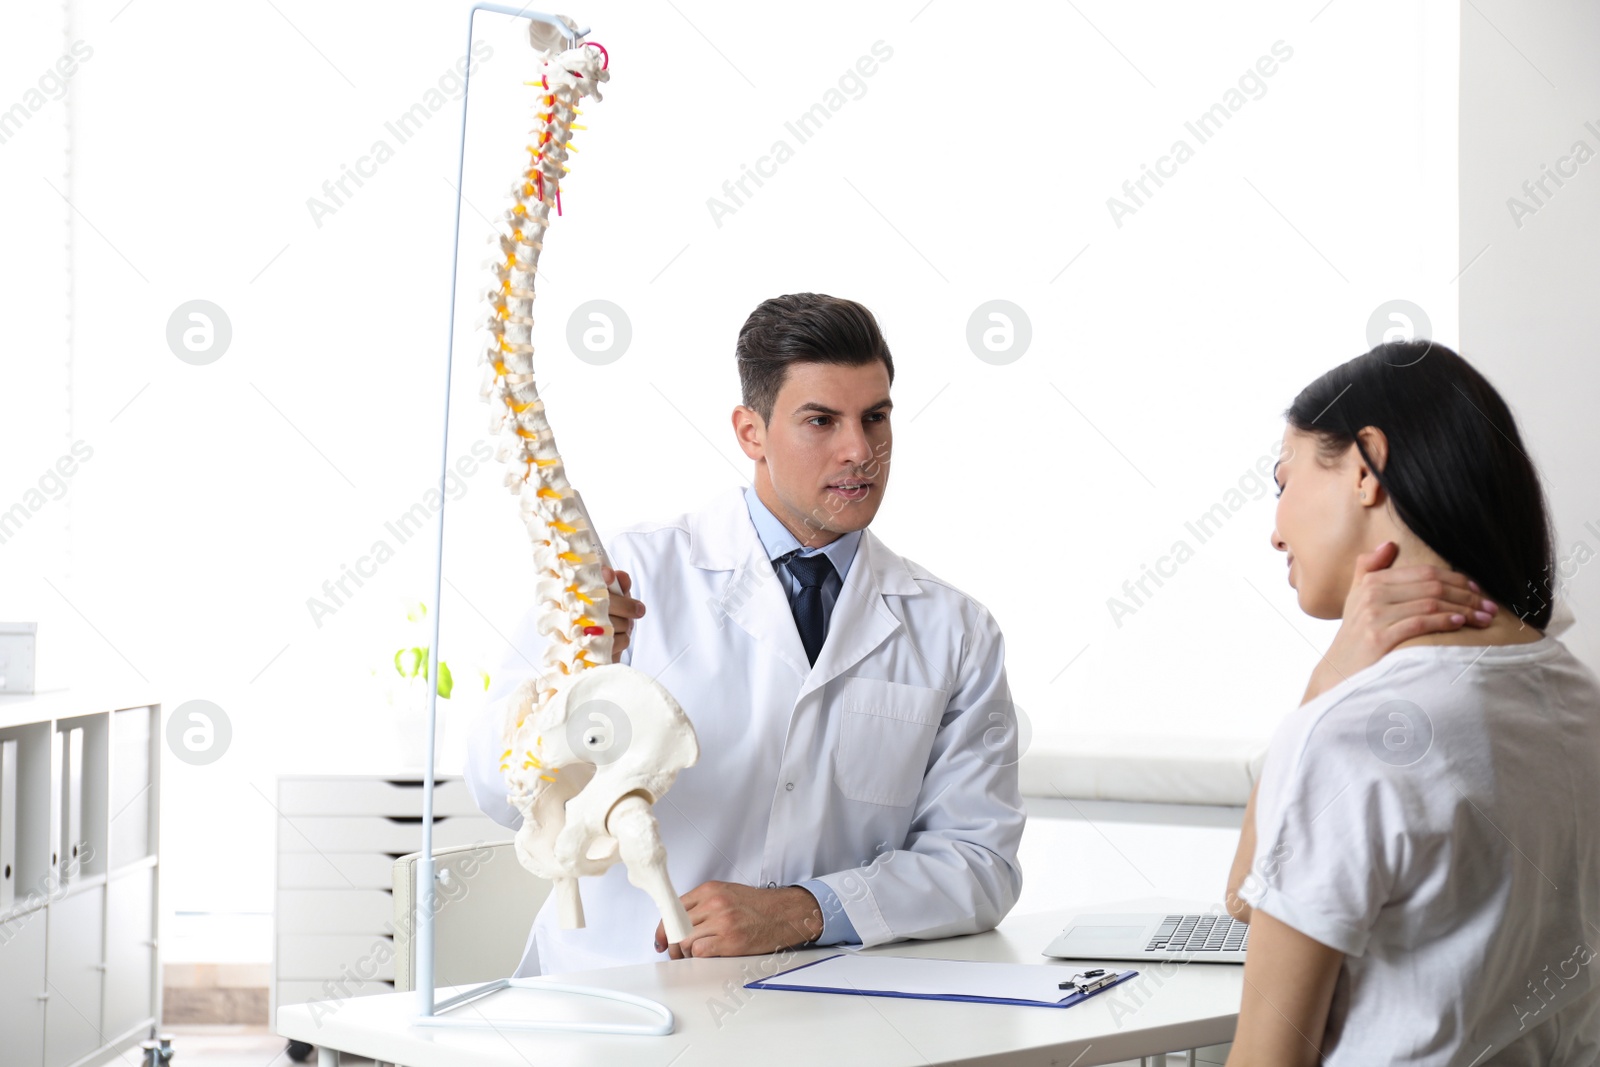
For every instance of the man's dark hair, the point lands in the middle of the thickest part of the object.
(803, 328)
(1457, 471)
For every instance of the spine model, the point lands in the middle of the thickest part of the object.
(566, 551)
(588, 745)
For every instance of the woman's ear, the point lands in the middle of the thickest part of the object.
(1376, 446)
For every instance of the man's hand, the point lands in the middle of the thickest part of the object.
(739, 920)
(624, 609)
(1387, 606)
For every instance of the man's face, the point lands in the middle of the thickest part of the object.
(822, 462)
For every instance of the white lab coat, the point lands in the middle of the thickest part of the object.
(885, 770)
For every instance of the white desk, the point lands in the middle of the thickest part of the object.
(1167, 1008)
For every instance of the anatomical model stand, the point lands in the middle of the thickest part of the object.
(588, 745)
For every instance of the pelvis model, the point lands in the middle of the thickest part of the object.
(589, 745)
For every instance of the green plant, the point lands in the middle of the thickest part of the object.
(413, 662)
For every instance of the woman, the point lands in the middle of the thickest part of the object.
(1421, 867)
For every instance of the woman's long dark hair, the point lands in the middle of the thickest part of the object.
(1457, 471)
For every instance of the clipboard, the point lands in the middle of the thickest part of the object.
(933, 979)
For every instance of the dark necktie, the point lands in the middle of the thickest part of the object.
(811, 572)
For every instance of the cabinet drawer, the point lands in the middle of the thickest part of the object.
(334, 911)
(335, 870)
(335, 833)
(21, 983)
(348, 957)
(130, 949)
(73, 953)
(370, 796)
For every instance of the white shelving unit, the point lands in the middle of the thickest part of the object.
(80, 784)
(338, 838)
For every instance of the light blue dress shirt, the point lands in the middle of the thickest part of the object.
(778, 541)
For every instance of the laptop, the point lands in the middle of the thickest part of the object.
(1198, 937)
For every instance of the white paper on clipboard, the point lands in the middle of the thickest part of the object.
(1030, 983)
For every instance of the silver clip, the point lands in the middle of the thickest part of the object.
(1086, 982)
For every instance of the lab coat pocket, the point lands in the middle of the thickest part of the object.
(885, 735)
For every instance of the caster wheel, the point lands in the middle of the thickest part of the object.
(300, 1051)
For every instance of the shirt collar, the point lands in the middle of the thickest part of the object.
(777, 540)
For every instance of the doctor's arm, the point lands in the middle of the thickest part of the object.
(956, 872)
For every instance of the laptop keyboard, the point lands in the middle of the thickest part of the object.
(1200, 933)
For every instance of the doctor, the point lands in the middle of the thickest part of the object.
(857, 779)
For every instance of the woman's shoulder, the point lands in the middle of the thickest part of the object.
(1397, 676)
(1366, 753)
(1396, 712)
(1377, 717)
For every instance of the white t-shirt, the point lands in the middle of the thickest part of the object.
(1436, 818)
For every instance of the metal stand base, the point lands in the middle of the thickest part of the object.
(657, 1029)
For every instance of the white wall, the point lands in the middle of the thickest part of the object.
(1078, 852)
(1530, 95)
(36, 499)
(976, 165)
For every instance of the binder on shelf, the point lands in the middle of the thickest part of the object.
(8, 824)
(71, 803)
(57, 748)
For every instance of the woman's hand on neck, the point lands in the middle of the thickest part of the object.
(1504, 629)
